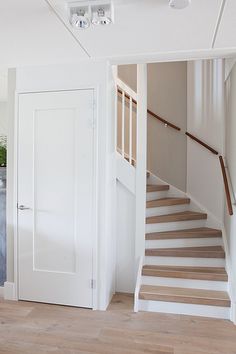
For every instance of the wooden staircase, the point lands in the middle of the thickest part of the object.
(184, 264)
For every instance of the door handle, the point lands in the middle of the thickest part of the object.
(22, 207)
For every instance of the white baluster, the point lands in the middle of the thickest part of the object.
(123, 125)
(130, 129)
(116, 117)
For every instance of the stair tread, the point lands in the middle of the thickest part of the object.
(182, 216)
(167, 202)
(201, 232)
(201, 252)
(184, 295)
(186, 272)
(157, 187)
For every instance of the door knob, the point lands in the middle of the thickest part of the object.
(22, 207)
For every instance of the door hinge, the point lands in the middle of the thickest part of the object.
(93, 283)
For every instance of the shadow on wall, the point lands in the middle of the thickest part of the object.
(2, 225)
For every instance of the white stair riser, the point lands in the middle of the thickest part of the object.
(190, 242)
(185, 261)
(156, 195)
(184, 309)
(177, 225)
(163, 194)
(185, 283)
(167, 210)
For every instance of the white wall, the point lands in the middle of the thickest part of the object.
(230, 221)
(10, 174)
(167, 97)
(206, 122)
(68, 77)
(3, 118)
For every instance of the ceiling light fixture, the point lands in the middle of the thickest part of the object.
(100, 18)
(79, 20)
(179, 4)
(83, 13)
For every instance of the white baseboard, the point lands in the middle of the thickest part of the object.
(9, 291)
(233, 312)
(2, 291)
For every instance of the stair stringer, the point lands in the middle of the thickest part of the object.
(195, 205)
(213, 222)
(173, 191)
(125, 173)
(138, 284)
(231, 280)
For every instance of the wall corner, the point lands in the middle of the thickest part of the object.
(10, 291)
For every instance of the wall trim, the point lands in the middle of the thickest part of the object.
(2, 291)
(10, 291)
(184, 55)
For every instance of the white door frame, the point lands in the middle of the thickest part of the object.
(15, 285)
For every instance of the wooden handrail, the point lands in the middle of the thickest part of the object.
(163, 120)
(152, 113)
(226, 184)
(202, 143)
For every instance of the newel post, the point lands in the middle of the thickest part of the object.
(141, 161)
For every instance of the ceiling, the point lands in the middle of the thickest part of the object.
(30, 34)
(151, 26)
(38, 32)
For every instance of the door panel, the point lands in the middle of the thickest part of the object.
(55, 184)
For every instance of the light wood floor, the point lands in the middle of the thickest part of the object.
(38, 328)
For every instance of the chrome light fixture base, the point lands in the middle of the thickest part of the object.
(100, 18)
(96, 12)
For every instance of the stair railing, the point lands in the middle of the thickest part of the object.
(225, 173)
(228, 190)
(132, 144)
(128, 97)
(129, 101)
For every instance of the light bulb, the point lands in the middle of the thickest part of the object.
(79, 20)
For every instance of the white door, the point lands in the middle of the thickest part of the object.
(55, 197)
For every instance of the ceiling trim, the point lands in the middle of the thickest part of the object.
(218, 23)
(67, 28)
(174, 56)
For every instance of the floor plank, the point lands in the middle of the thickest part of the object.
(32, 328)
